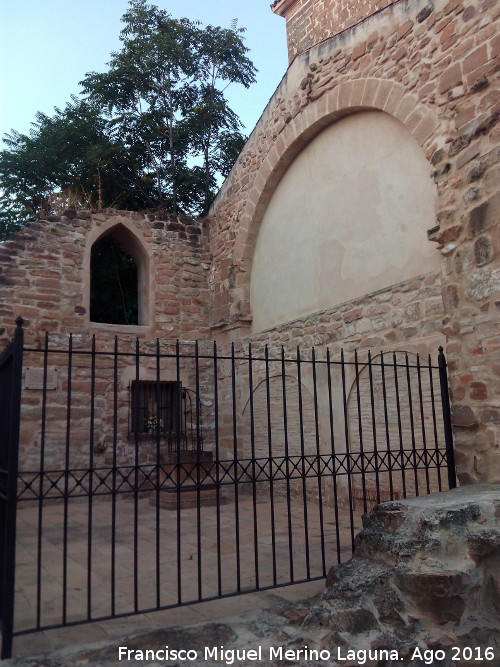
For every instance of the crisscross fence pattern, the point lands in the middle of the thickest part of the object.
(288, 450)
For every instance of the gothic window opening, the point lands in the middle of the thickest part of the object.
(114, 294)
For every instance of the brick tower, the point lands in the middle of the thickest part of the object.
(309, 22)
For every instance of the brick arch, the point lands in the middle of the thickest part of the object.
(345, 99)
(126, 233)
(404, 404)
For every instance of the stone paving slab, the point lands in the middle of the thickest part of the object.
(244, 623)
(51, 564)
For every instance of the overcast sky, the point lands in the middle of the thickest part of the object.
(47, 46)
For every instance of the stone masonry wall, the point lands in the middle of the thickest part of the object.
(423, 574)
(434, 66)
(44, 274)
(309, 22)
(397, 316)
(406, 317)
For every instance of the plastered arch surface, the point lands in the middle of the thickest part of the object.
(129, 236)
(367, 95)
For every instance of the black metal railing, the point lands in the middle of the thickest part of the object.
(11, 362)
(289, 450)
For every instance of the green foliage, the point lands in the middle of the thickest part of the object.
(152, 132)
(113, 284)
(67, 160)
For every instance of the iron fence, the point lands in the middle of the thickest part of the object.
(287, 451)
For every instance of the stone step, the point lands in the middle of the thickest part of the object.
(188, 497)
(187, 457)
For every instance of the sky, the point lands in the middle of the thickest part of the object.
(47, 47)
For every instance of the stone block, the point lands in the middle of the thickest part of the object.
(484, 216)
(450, 78)
(483, 250)
(357, 93)
(475, 60)
(438, 596)
(370, 92)
(345, 91)
(426, 128)
(359, 50)
(463, 416)
(405, 107)
(483, 283)
(478, 391)
(468, 155)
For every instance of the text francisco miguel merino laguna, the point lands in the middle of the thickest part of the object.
(231, 656)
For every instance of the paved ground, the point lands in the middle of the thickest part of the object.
(265, 619)
(159, 559)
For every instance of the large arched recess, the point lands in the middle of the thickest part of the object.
(344, 99)
(348, 217)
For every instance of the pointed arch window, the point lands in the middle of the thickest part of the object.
(119, 279)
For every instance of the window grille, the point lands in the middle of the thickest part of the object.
(155, 406)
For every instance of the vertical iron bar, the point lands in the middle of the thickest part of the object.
(303, 466)
(41, 485)
(400, 430)
(235, 464)
(434, 425)
(412, 425)
(360, 431)
(386, 421)
(113, 497)
(136, 474)
(158, 465)
(422, 421)
(347, 448)
(287, 465)
(374, 426)
(448, 433)
(217, 469)
(334, 456)
(319, 462)
(9, 537)
(254, 483)
(178, 470)
(91, 479)
(198, 466)
(271, 465)
(66, 482)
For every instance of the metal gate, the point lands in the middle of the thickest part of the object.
(155, 475)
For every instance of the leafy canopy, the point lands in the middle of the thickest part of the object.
(152, 132)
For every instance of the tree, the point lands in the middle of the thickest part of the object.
(152, 132)
(67, 160)
(164, 91)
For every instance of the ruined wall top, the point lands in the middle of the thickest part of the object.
(45, 275)
(309, 22)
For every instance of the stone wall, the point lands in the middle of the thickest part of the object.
(423, 579)
(433, 66)
(309, 22)
(45, 274)
(406, 318)
(45, 278)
